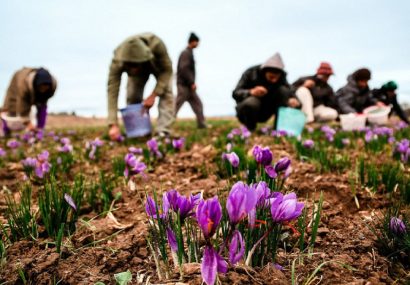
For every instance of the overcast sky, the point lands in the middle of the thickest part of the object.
(75, 40)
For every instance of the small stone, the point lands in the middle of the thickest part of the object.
(191, 268)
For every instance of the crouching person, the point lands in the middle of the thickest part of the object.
(356, 96)
(387, 95)
(260, 92)
(316, 95)
(28, 87)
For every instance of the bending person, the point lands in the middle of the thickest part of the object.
(28, 87)
(140, 56)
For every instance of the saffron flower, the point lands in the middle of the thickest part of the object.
(270, 170)
(152, 145)
(2, 152)
(178, 144)
(70, 201)
(282, 165)
(262, 156)
(13, 144)
(285, 208)
(133, 166)
(397, 226)
(181, 204)
(208, 215)
(241, 200)
(172, 240)
(155, 211)
(309, 144)
(42, 166)
(135, 150)
(232, 158)
(212, 264)
(236, 248)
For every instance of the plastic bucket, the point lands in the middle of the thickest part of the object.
(136, 121)
(290, 120)
(352, 121)
(377, 115)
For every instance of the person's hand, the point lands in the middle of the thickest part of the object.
(114, 132)
(293, 103)
(149, 102)
(258, 91)
(30, 127)
(309, 83)
(380, 104)
(193, 86)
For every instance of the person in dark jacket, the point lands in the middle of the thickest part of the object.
(28, 87)
(387, 95)
(355, 96)
(186, 85)
(260, 92)
(316, 95)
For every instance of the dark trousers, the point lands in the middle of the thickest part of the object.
(253, 110)
(186, 94)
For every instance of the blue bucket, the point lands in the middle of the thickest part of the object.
(290, 120)
(136, 120)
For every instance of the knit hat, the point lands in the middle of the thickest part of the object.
(42, 77)
(391, 85)
(324, 69)
(362, 74)
(193, 38)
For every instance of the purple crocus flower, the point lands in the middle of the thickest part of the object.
(208, 215)
(135, 150)
(151, 207)
(391, 140)
(232, 158)
(309, 144)
(262, 156)
(182, 204)
(70, 201)
(2, 152)
(65, 140)
(262, 192)
(29, 162)
(241, 200)
(285, 208)
(369, 136)
(97, 142)
(403, 146)
(43, 156)
(172, 240)
(212, 264)
(397, 226)
(152, 145)
(282, 165)
(40, 135)
(133, 166)
(270, 170)
(178, 144)
(236, 248)
(66, 148)
(345, 141)
(13, 144)
(228, 147)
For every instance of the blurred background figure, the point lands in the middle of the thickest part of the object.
(316, 95)
(140, 56)
(356, 96)
(387, 95)
(260, 92)
(186, 85)
(28, 87)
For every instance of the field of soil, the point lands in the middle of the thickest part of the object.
(104, 245)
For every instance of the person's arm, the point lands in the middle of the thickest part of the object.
(41, 115)
(398, 110)
(185, 68)
(243, 88)
(114, 81)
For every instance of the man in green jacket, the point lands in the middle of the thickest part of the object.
(140, 56)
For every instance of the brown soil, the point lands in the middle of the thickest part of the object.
(110, 245)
